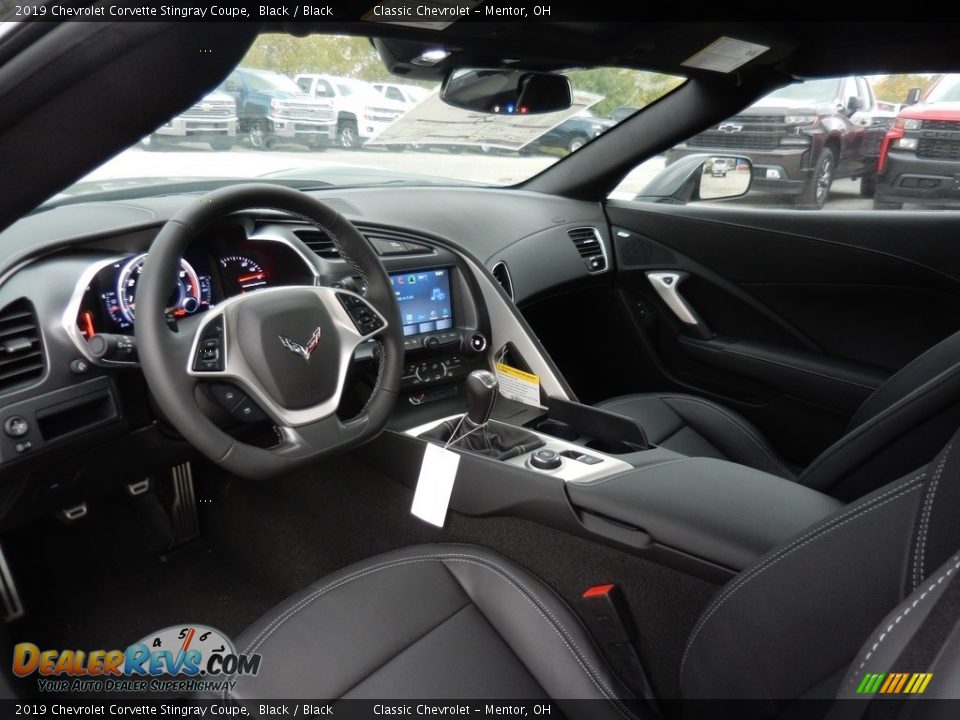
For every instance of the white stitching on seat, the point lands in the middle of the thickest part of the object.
(558, 627)
(805, 539)
(919, 556)
(886, 633)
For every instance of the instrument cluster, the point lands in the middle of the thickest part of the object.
(208, 274)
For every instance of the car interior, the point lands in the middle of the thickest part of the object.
(427, 440)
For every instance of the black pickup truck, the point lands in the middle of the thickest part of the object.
(802, 137)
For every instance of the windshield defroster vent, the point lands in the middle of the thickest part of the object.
(590, 247)
(502, 275)
(21, 347)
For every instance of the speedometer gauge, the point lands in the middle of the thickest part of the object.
(188, 296)
(241, 273)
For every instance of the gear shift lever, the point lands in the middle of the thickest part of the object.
(475, 432)
(481, 390)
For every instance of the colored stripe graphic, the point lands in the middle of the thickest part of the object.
(894, 683)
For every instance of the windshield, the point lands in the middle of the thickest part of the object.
(267, 81)
(306, 111)
(946, 90)
(813, 92)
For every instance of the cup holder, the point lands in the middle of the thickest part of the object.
(557, 429)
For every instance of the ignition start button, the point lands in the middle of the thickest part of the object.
(16, 426)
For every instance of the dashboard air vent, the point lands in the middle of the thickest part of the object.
(385, 241)
(590, 247)
(320, 242)
(502, 274)
(21, 347)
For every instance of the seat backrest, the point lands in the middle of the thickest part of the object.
(899, 426)
(791, 625)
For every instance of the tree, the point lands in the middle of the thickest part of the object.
(622, 87)
(344, 55)
(894, 88)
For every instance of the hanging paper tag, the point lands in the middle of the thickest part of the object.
(437, 473)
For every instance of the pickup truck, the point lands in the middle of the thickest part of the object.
(360, 111)
(272, 108)
(920, 157)
(213, 120)
(802, 137)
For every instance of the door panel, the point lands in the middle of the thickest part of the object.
(802, 314)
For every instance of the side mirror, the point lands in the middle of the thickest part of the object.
(853, 104)
(723, 177)
(913, 96)
(700, 177)
(509, 92)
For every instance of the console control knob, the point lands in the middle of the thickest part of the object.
(545, 459)
(16, 426)
(432, 341)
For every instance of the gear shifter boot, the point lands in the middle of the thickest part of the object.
(495, 440)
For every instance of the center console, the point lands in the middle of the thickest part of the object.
(565, 465)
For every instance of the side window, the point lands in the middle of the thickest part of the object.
(323, 89)
(863, 92)
(394, 94)
(304, 84)
(803, 148)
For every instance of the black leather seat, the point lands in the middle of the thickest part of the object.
(899, 426)
(845, 598)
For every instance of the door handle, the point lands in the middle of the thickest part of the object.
(666, 284)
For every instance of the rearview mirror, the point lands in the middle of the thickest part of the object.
(509, 92)
(913, 95)
(725, 177)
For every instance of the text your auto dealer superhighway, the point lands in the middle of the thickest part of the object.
(144, 11)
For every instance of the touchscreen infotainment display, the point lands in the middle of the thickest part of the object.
(424, 299)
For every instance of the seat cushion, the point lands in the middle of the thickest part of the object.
(432, 621)
(699, 428)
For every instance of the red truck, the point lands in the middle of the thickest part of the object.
(919, 160)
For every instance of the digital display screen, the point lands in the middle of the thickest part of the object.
(424, 300)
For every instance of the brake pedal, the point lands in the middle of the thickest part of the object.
(12, 607)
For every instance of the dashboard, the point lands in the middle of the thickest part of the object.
(75, 271)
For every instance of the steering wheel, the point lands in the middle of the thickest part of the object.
(288, 348)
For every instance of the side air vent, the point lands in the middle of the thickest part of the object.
(386, 242)
(320, 242)
(21, 348)
(590, 247)
(502, 274)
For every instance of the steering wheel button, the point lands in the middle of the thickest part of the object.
(227, 395)
(248, 411)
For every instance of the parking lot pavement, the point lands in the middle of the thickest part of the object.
(191, 161)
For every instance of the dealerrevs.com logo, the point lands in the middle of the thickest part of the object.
(183, 658)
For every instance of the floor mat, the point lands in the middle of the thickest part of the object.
(100, 582)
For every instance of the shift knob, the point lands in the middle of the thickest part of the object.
(481, 394)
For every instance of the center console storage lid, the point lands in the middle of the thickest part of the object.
(722, 512)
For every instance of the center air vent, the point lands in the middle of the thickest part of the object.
(502, 274)
(21, 348)
(590, 247)
(320, 242)
(385, 241)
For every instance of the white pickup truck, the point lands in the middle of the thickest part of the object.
(212, 120)
(361, 112)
